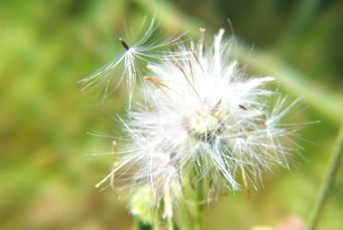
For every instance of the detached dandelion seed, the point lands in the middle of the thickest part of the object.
(148, 48)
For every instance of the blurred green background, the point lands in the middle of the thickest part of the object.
(46, 177)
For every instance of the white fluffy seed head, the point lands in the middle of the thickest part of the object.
(204, 119)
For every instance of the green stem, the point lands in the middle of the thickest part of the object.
(191, 208)
(319, 97)
(186, 222)
(198, 224)
(328, 183)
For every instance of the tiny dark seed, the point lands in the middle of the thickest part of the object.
(124, 44)
(242, 107)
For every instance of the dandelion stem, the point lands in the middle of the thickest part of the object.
(328, 183)
(184, 211)
(199, 203)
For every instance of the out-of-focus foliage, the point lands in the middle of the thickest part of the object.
(47, 181)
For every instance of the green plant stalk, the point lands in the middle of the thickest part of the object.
(196, 202)
(328, 183)
(198, 224)
(326, 101)
(191, 208)
(186, 222)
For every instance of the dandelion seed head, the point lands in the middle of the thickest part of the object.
(203, 119)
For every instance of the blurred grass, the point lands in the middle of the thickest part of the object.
(46, 181)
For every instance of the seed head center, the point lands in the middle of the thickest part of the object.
(204, 124)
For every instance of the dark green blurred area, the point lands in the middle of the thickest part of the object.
(47, 181)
